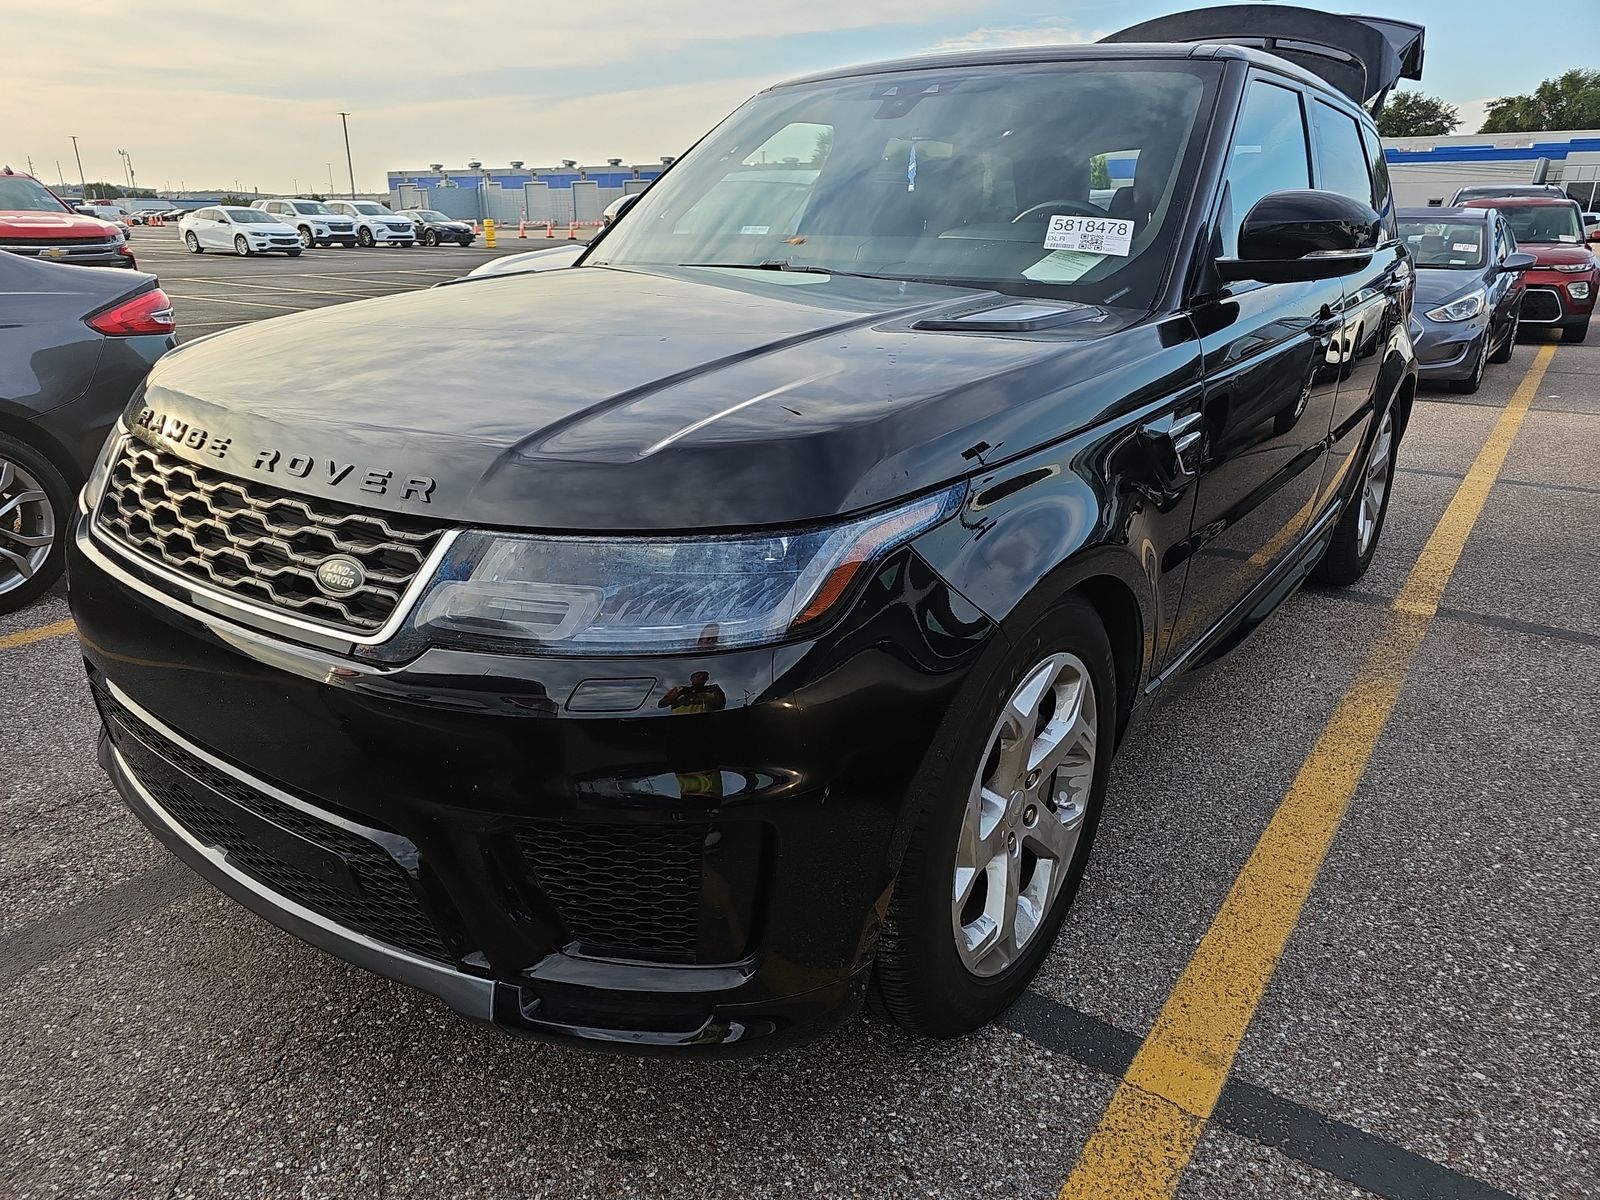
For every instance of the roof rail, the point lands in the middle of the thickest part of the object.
(1363, 57)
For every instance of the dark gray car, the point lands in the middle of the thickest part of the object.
(75, 344)
(1469, 291)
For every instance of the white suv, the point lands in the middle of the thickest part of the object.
(317, 224)
(375, 223)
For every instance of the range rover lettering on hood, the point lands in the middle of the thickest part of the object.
(272, 461)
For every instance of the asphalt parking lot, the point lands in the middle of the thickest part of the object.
(216, 290)
(1431, 1031)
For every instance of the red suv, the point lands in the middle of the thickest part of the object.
(37, 223)
(1561, 289)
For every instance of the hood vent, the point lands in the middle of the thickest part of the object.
(1013, 318)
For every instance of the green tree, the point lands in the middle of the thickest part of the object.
(1571, 100)
(236, 201)
(1413, 114)
(101, 191)
(1099, 172)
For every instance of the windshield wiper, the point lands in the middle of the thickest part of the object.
(780, 264)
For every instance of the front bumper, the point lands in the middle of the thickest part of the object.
(1447, 349)
(1548, 301)
(693, 882)
(77, 256)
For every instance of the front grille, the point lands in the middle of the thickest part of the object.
(1541, 305)
(204, 800)
(259, 543)
(624, 890)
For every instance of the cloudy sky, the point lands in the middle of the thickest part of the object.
(248, 93)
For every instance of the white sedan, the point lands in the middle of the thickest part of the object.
(245, 231)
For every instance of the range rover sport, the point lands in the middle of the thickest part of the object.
(745, 627)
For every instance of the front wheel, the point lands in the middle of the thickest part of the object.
(1576, 332)
(430, 238)
(1355, 537)
(1503, 353)
(241, 246)
(34, 505)
(1010, 793)
(191, 241)
(365, 236)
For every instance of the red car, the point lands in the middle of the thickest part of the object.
(1561, 289)
(37, 223)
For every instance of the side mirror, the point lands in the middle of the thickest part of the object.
(624, 203)
(1294, 236)
(1593, 233)
(1519, 260)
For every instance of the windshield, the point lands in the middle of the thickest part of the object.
(368, 209)
(251, 216)
(18, 194)
(430, 216)
(314, 207)
(1544, 223)
(1454, 245)
(1059, 178)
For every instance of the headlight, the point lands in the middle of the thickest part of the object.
(1578, 291)
(96, 486)
(1571, 268)
(1463, 309)
(653, 595)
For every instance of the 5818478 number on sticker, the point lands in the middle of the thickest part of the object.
(1098, 235)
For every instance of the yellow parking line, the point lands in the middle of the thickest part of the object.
(1149, 1132)
(10, 641)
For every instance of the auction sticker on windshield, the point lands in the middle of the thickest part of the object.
(1100, 235)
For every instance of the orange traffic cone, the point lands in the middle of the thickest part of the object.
(522, 228)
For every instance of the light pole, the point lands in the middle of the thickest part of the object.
(82, 183)
(330, 181)
(127, 165)
(344, 119)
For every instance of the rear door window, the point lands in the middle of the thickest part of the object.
(1268, 155)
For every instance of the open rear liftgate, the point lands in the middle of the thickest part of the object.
(1364, 57)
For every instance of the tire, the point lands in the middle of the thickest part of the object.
(1503, 353)
(1355, 537)
(1575, 332)
(365, 237)
(1480, 363)
(306, 240)
(293, 253)
(27, 566)
(191, 241)
(928, 976)
(241, 246)
(430, 238)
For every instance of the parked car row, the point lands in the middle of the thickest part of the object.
(1499, 264)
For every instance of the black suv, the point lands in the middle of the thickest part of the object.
(675, 650)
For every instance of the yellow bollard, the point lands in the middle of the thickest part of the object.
(488, 232)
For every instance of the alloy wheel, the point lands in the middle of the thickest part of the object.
(27, 526)
(192, 242)
(1375, 485)
(1025, 814)
(305, 238)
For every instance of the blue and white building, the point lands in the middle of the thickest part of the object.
(1431, 169)
(563, 193)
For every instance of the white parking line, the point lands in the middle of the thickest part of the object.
(303, 291)
(243, 303)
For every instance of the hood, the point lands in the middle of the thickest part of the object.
(62, 225)
(1436, 286)
(1551, 253)
(606, 399)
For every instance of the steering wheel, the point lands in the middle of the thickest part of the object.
(1078, 208)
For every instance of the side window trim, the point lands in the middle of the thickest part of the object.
(1254, 79)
